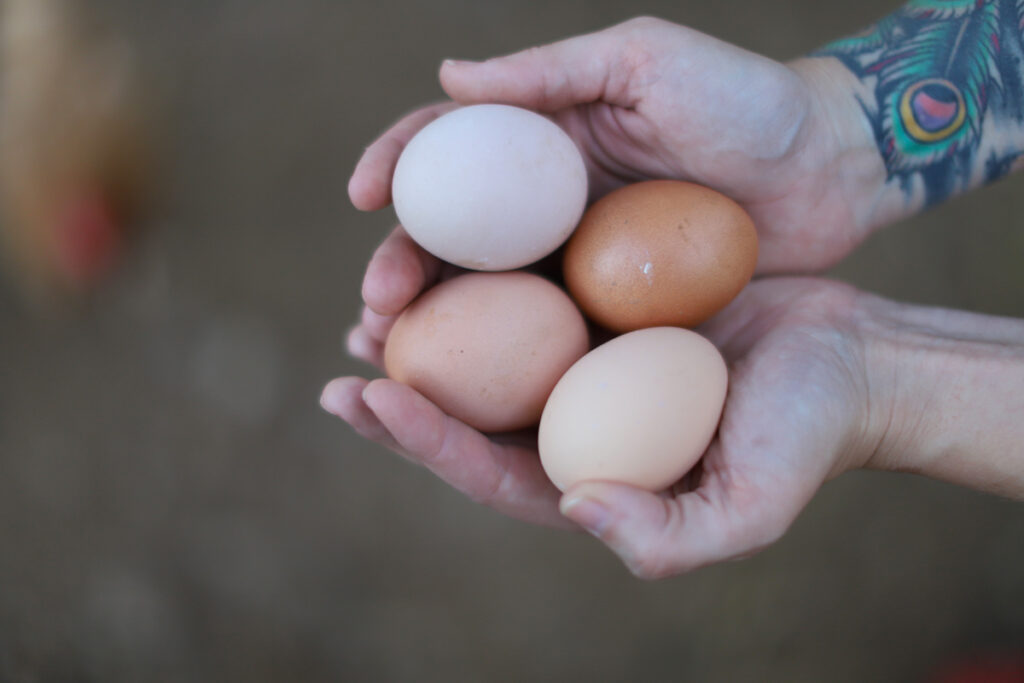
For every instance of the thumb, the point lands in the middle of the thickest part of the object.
(657, 536)
(589, 68)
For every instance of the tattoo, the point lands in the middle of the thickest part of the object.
(948, 94)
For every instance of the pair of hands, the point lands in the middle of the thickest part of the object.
(650, 99)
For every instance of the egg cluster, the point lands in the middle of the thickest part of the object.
(497, 188)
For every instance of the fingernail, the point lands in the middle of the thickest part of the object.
(357, 343)
(364, 393)
(327, 401)
(588, 513)
(459, 62)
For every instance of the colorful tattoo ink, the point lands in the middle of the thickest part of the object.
(946, 76)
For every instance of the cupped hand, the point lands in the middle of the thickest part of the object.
(796, 415)
(651, 99)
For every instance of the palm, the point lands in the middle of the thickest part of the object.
(649, 99)
(790, 416)
(790, 203)
(796, 381)
(748, 144)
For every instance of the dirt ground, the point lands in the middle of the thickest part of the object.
(174, 506)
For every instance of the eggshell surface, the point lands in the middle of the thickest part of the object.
(640, 409)
(661, 252)
(487, 348)
(490, 187)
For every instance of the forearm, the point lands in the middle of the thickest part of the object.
(947, 392)
(940, 86)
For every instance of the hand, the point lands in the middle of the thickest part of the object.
(650, 99)
(796, 415)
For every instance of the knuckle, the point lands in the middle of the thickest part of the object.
(651, 565)
(535, 52)
(661, 555)
(636, 50)
(490, 494)
(487, 496)
(644, 22)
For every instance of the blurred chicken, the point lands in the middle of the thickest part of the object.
(73, 152)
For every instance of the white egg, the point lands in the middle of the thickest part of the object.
(490, 187)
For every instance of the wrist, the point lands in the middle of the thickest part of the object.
(945, 394)
(840, 138)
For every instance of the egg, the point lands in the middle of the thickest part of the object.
(660, 252)
(640, 409)
(490, 187)
(487, 348)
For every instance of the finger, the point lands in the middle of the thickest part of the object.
(362, 345)
(343, 397)
(398, 271)
(369, 188)
(658, 536)
(377, 326)
(588, 68)
(506, 477)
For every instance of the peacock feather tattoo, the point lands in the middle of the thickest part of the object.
(939, 70)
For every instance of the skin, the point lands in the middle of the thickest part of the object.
(635, 99)
(942, 93)
(823, 378)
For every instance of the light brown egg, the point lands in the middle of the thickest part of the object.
(661, 252)
(487, 348)
(640, 410)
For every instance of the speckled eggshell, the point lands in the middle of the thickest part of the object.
(661, 252)
(487, 348)
(640, 409)
(490, 187)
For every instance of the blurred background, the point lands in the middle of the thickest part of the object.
(174, 505)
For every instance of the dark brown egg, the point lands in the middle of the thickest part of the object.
(661, 252)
